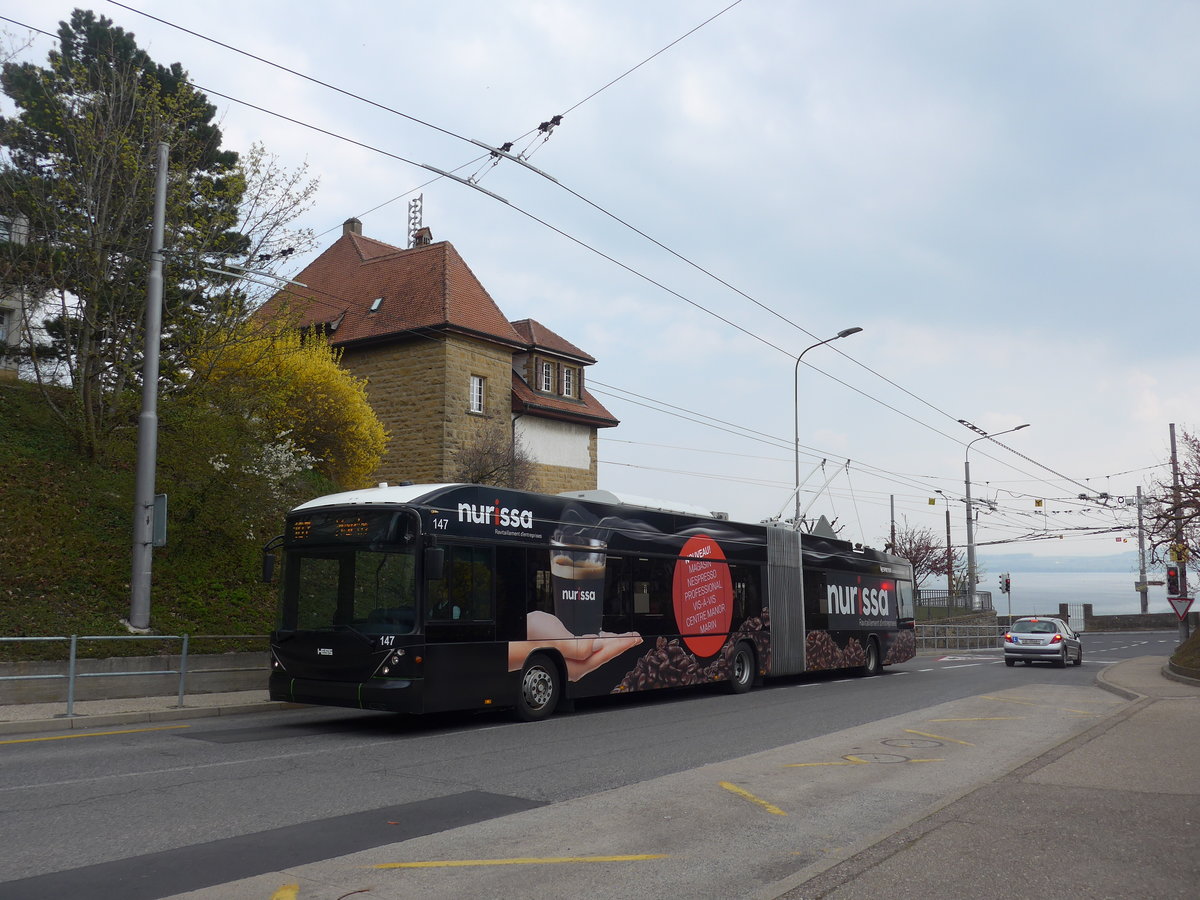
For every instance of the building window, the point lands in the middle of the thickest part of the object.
(569, 388)
(546, 377)
(4, 314)
(478, 387)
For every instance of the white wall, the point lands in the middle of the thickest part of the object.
(555, 443)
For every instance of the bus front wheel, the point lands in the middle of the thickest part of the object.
(540, 688)
(741, 669)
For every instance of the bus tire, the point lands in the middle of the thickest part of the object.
(539, 690)
(741, 669)
(873, 665)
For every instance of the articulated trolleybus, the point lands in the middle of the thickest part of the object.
(423, 598)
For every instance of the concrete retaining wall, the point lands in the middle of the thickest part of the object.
(206, 674)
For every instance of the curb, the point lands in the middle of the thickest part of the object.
(103, 720)
(1180, 673)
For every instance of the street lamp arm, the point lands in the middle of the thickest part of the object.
(845, 332)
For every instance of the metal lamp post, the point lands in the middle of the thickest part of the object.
(983, 435)
(845, 332)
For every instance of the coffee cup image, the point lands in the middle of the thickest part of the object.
(577, 580)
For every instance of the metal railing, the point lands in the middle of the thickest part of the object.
(953, 601)
(959, 637)
(73, 674)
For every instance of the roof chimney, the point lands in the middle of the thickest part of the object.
(421, 237)
(352, 226)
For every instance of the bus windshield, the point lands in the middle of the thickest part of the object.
(369, 591)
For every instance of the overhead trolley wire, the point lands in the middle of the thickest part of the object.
(582, 198)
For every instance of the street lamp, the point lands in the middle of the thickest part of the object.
(983, 435)
(845, 332)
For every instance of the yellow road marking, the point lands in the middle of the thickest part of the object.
(769, 807)
(1043, 705)
(849, 761)
(517, 861)
(854, 761)
(287, 892)
(940, 737)
(982, 719)
(67, 737)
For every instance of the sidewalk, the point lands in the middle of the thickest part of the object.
(24, 718)
(1113, 812)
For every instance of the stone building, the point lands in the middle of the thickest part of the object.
(442, 362)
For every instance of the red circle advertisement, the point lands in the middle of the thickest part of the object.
(703, 596)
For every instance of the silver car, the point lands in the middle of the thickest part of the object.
(1039, 638)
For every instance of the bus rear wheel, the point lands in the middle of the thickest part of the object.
(873, 665)
(741, 669)
(539, 690)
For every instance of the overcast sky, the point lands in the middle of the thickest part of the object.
(1002, 194)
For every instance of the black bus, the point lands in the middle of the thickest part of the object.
(424, 598)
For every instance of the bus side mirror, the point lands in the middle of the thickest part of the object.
(268, 570)
(435, 563)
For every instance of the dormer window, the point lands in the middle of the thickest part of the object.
(546, 377)
(570, 387)
(375, 304)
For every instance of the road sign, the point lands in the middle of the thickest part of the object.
(1181, 605)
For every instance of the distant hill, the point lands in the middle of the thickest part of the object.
(1027, 562)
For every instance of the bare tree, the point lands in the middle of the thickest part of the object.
(494, 456)
(1166, 520)
(926, 552)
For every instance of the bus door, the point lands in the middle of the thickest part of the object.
(464, 663)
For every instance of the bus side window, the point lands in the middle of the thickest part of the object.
(512, 590)
(538, 576)
(816, 608)
(747, 598)
(464, 593)
(653, 609)
(617, 612)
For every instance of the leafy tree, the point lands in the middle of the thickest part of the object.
(79, 168)
(495, 456)
(299, 401)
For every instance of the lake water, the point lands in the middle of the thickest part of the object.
(1110, 593)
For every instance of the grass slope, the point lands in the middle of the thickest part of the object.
(65, 554)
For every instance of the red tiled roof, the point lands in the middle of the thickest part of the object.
(539, 337)
(586, 411)
(425, 287)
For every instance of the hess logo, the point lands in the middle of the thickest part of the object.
(324, 651)
(495, 514)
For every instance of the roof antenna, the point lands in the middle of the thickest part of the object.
(415, 210)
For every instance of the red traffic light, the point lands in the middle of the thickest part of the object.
(1173, 581)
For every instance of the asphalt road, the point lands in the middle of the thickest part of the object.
(184, 805)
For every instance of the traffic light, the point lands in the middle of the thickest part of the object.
(1172, 581)
(1003, 584)
(1007, 584)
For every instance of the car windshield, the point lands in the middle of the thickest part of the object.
(1039, 627)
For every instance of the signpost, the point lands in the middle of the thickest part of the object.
(1181, 605)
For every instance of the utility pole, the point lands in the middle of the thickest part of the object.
(147, 444)
(1180, 548)
(949, 562)
(1143, 588)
